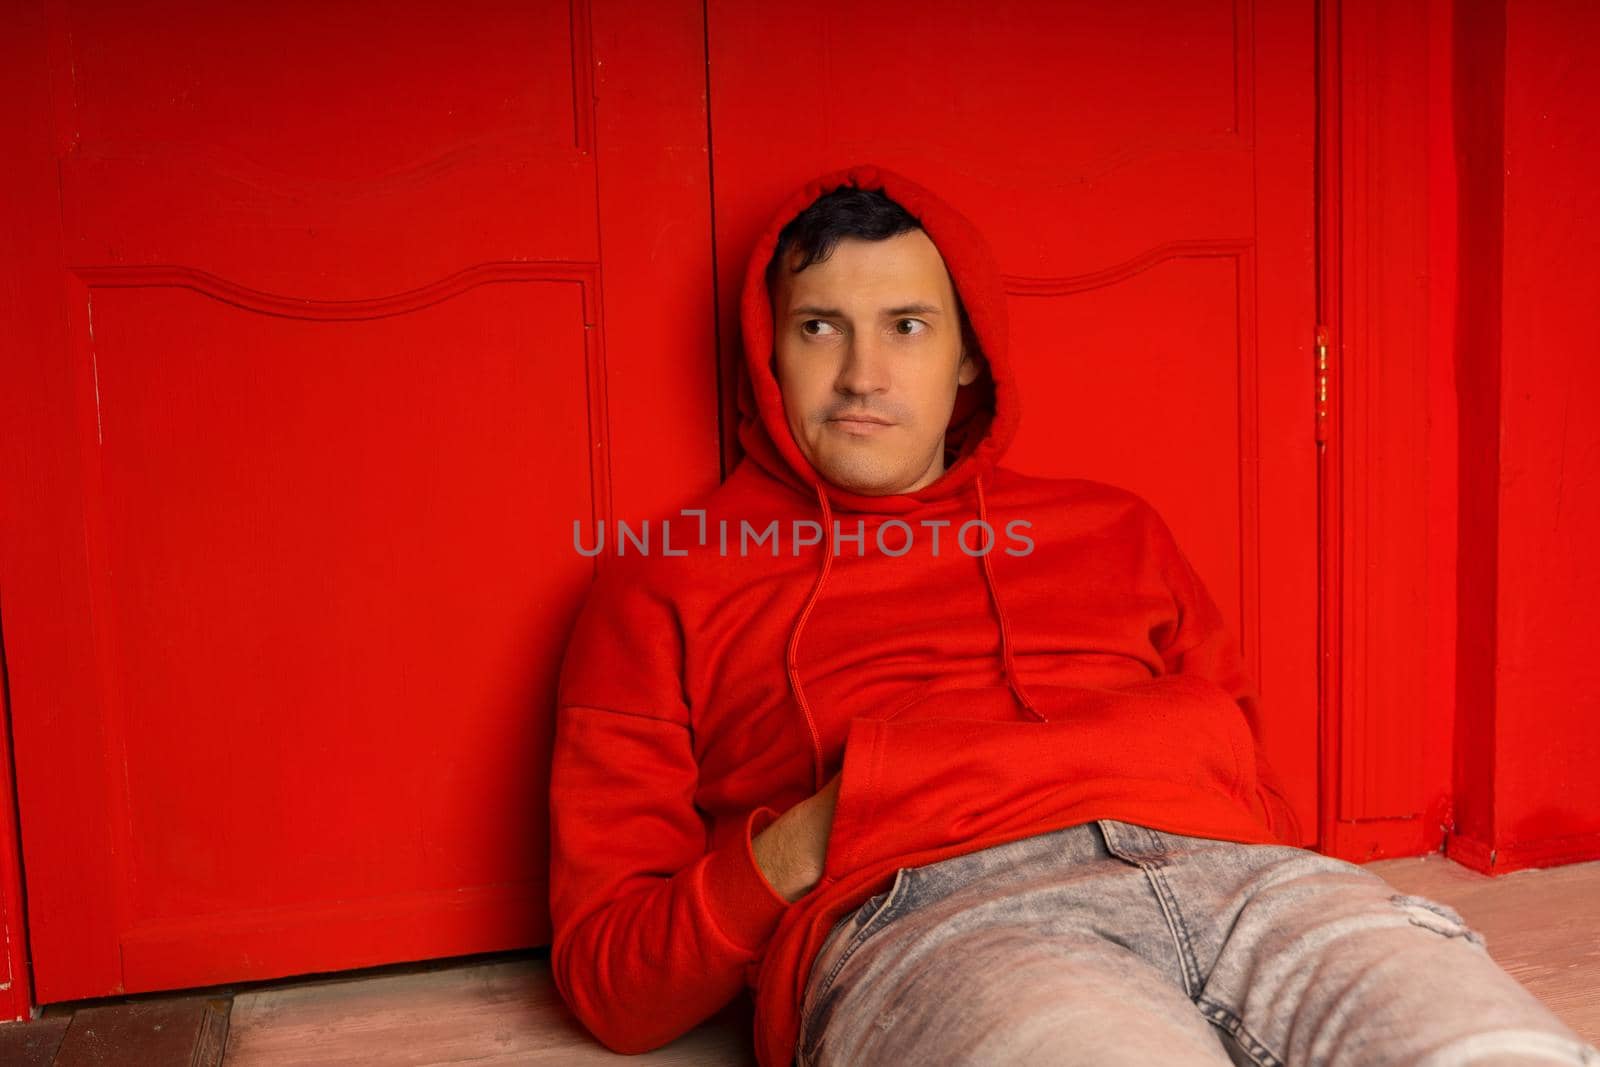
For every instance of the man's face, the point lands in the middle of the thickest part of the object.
(869, 354)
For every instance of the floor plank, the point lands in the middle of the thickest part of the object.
(497, 1013)
(32, 1043)
(155, 1032)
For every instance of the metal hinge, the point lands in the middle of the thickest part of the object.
(1322, 384)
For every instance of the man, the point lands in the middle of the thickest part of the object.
(950, 764)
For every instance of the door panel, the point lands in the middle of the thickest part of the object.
(1144, 172)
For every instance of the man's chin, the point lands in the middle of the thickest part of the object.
(865, 483)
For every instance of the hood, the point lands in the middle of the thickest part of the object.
(982, 422)
(984, 419)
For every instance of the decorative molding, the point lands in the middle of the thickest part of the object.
(585, 275)
(299, 307)
(1066, 285)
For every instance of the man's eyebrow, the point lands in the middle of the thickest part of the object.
(835, 313)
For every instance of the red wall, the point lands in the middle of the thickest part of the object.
(1528, 679)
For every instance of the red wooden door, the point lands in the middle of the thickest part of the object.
(1144, 171)
(330, 322)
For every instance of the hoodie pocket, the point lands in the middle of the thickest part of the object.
(986, 703)
(1175, 727)
(854, 806)
(922, 781)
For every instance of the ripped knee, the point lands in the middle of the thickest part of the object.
(1440, 918)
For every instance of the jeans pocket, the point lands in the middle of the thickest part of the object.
(1133, 844)
(873, 915)
(1440, 918)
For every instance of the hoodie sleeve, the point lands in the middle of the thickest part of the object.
(1200, 645)
(653, 929)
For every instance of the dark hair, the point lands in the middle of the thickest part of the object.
(848, 211)
(845, 212)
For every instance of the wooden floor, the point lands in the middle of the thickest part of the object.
(1542, 926)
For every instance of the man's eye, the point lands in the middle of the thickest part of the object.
(804, 326)
(910, 333)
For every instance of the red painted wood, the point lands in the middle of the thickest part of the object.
(1387, 289)
(1444, 447)
(1455, 509)
(16, 979)
(1144, 172)
(33, 564)
(1541, 804)
(1479, 115)
(332, 326)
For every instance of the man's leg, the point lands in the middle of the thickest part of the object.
(1002, 995)
(1042, 951)
(1307, 959)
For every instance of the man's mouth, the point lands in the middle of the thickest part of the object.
(861, 425)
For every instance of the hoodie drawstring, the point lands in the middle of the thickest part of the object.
(800, 623)
(1008, 659)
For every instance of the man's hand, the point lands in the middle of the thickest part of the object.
(790, 851)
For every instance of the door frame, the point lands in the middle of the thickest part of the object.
(1386, 426)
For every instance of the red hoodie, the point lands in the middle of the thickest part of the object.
(1076, 670)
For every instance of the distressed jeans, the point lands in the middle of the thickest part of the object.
(1113, 943)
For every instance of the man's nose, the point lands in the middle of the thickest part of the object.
(864, 370)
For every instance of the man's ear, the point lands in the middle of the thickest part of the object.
(971, 367)
(972, 362)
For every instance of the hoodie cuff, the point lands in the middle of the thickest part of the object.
(744, 903)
